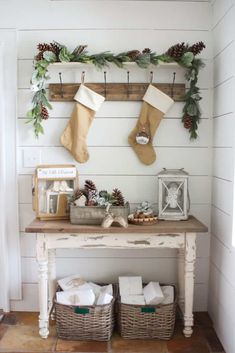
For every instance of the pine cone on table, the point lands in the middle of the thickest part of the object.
(118, 197)
(177, 50)
(90, 185)
(197, 48)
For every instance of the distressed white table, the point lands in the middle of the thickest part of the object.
(52, 235)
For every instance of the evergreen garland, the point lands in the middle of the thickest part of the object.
(181, 53)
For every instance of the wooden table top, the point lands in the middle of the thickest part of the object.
(192, 225)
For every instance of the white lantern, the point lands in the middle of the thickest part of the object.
(173, 196)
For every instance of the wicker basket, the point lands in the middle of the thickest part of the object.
(88, 323)
(147, 321)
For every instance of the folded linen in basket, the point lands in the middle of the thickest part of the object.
(130, 285)
(153, 293)
(133, 299)
(71, 282)
(168, 292)
(76, 297)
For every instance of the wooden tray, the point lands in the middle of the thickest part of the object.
(143, 221)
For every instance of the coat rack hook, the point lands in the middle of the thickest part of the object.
(83, 77)
(105, 84)
(128, 83)
(151, 77)
(173, 85)
(61, 85)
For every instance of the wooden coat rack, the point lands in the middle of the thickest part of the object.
(60, 92)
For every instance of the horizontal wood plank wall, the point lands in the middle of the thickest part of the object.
(222, 263)
(108, 25)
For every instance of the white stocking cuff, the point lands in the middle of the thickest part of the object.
(158, 99)
(89, 98)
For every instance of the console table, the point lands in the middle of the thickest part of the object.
(52, 235)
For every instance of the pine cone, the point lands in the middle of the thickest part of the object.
(44, 47)
(118, 197)
(78, 193)
(177, 50)
(44, 113)
(188, 122)
(39, 56)
(197, 48)
(54, 48)
(133, 54)
(146, 51)
(90, 186)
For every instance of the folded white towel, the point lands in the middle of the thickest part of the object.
(153, 293)
(168, 292)
(130, 285)
(104, 298)
(76, 297)
(71, 282)
(133, 299)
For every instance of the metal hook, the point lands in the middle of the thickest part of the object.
(83, 77)
(105, 84)
(173, 84)
(151, 77)
(61, 85)
(128, 83)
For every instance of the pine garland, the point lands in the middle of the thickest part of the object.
(181, 53)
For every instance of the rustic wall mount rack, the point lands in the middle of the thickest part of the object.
(115, 91)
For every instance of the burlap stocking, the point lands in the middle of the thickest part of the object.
(75, 133)
(154, 107)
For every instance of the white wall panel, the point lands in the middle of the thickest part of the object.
(114, 132)
(223, 98)
(105, 14)
(221, 224)
(123, 160)
(223, 130)
(223, 163)
(221, 196)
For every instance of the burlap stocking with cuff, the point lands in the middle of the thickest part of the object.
(154, 107)
(74, 136)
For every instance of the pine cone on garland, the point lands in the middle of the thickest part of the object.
(118, 197)
(188, 122)
(177, 50)
(44, 113)
(197, 48)
(133, 54)
(42, 47)
(146, 51)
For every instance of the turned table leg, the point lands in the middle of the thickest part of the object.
(181, 291)
(51, 280)
(190, 256)
(42, 258)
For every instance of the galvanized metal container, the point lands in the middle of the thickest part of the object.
(95, 214)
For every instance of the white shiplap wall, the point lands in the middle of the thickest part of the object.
(221, 303)
(116, 26)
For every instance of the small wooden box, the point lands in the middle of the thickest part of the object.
(52, 185)
(95, 214)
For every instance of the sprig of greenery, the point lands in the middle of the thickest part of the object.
(40, 75)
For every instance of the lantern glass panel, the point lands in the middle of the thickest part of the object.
(172, 196)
